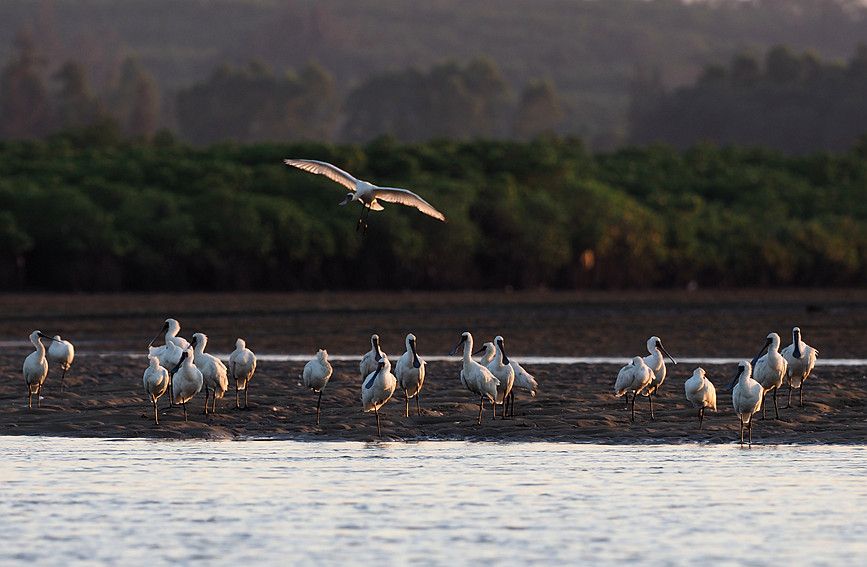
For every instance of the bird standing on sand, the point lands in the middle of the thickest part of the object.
(370, 360)
(770, 369)
(475, 377)
(156, 381)
(214, 373)
(523, 379)
(378, 389)
(186, 380)
(801, 358)
(61, 352)
(700, 392)
(242, 365)
(497, 362)
(316, 374)
(409, 370)
(656, 362)
(35, 368)
(635, 377)
(368, 194)
(746, 397)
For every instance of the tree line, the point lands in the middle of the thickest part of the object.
(87, 209)
(787, 101)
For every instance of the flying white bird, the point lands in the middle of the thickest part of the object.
(657, 364)
(801, 358)
(242, 365)
(635, 377)
(746, 397)
(368, 194)
(409, 371)
(35, 367)
(316, 374)
(770, 369)
(700, 392)
(61, 352)
(378, 389)
(475, 377)
(156, 381)
(215, 375)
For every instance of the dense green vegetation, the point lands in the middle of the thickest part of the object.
(85, 210)
(588, 51)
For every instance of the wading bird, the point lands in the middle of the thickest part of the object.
(35, 368)
(61, 352)
(801, 358)
(378, 389)
(316, 374)
(635, 377)
(242, 365)
(156, 382)
(523, 379)
(770, 369)
(475, 377)
(497, 362)
(409, 371)
(215, 376)
(368, 194)
(169, 353)
(656, 362)
(186, 380)
(746, 397)
(700, 392)
(370, 360)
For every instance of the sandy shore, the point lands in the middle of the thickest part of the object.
(104, 395)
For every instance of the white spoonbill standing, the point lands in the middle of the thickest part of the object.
(801, 358)
(746, 397)
(156, 381)
(215, 375)
(409, 371)
(316, 374)
(656, 362)
(635, 377)
(498, 363)
(368, 194)
(370, 360)
(61, 352)
(523, 379)
(770, 369)
(378, 389)
(35, 368)
(186, 380)
(700, 392)
(475, 377)
(242, 365)
(169, 354)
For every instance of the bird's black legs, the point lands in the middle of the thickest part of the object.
(481, 403)
(318, 402)
(62, 376)
(650, 397)
(378, 430)
(206, 400)
(417, 405)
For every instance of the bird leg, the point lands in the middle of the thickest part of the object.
(156, 419)
(801, 394)
(29, 398)
(635, 395)
(763, 405)
(417, 405)
(776, 411)
(789, 403)
(700, 417)
(750, 431)
(365, 212)
(237, 405)
(406, 393)
(378, 430)
(626, 395)
(481, 403)
(650, 397)
(206, 400)
(39, 396)
(213, 403)
(62, 376)
(742, 430)
(246, 407)
(184, 403)
(319, 401)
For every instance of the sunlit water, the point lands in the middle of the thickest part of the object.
(271, 502)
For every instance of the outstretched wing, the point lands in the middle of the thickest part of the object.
(405, 197)
(332, 172)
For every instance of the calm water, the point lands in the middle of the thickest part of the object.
(266, 502)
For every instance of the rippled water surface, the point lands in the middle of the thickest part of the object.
(267, 502)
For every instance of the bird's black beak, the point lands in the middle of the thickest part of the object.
(454, 350)
(735, 379)
(503, 350)
(416, 363)
(162, 330)
(379, 368)
(764, 347)
(665, 352)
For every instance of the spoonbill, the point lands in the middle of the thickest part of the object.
(169, 353)
(409, 371)
(171, 328)
(156, 382)
(746, 397)
(475, 377)
(366, 193)
(635, 377)
(316, 374)
(214, 373)
(770, 369)
(35, 368)
(370, 360)
(523, 379)
(186, 380)
(801, 358)
(700, 392)
(498, 363)
(657, 364)
(378, 389)
(61, 352)
(242, 364)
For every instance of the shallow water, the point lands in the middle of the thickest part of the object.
(135, 502)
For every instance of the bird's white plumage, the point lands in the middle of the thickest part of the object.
(524, 379)
(155, 381)
(800, 360)
(504, 373)
(242, 364)
(656, 362)
(633, 378)
(215, 374)
(187, 380)
(475, 377)
(378, 387)
(35, 367)
(770, 369)
(746, 396)
(370, 359)
(410, 368)
(317, 371)
(700, 391)
(367, 193)
(61, 352)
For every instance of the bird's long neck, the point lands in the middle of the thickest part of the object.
(468, 352)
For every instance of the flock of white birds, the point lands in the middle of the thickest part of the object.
(183, 369)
